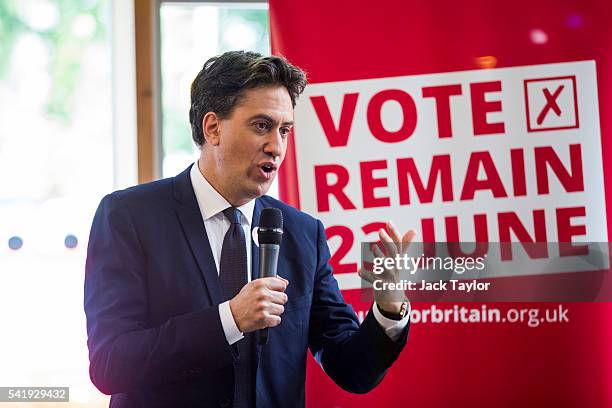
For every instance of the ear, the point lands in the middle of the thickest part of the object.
(211, 125)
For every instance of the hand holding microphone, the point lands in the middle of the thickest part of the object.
(259, 304)
(270, 234)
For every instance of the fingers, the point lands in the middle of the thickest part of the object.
(272, 315)
(271, 321)
(275, 309)
(393, 240)
(367, 275)
(393, 232)
(390, 247)
(407, 239)
(279, 298)
(378, 252)
(283, 279)
(274, 283)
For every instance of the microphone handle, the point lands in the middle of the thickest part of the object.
(268, 261)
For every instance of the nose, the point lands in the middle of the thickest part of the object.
(275, 145)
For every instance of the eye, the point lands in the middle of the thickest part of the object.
(285, 131)
(262, 127)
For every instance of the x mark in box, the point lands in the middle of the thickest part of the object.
(551, 103)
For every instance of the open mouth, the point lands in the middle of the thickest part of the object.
(268, 168)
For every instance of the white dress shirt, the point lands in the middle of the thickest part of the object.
(211, 205)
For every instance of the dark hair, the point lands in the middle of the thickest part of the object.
(223, 79)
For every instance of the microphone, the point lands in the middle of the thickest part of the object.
(269, 233)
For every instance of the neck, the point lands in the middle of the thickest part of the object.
(210, 176)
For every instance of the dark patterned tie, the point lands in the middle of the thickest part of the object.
(233, 276)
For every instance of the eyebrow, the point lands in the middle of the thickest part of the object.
(269, 119)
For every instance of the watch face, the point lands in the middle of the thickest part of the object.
(403, 310)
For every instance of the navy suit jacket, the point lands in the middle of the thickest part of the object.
(151, 298)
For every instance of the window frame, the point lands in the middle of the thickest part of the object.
(147, 25)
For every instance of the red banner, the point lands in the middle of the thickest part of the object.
(534, 354)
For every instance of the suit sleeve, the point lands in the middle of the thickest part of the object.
(125, 352)
(355, 357)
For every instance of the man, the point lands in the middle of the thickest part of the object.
(172, 298)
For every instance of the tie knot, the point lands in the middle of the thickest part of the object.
(232, 214)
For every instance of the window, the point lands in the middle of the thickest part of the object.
(190, 35)
(63, 132)
(56, 161)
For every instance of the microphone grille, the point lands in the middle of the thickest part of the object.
(271, 218)
(270, 226)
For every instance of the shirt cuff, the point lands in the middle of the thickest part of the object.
(232, 334)
(393, 328)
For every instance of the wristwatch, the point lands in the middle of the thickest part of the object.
(395, 316)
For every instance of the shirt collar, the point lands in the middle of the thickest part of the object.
(210, 201)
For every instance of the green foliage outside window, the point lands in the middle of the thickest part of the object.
(66, 27)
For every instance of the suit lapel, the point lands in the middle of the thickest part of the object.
(191, 220)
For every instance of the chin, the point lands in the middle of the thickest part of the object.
(262, 189)
(256, 187)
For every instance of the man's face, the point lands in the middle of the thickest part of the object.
(251, 144)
